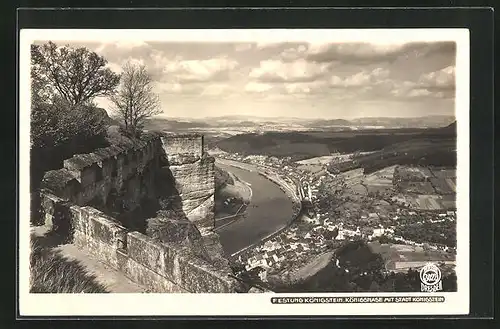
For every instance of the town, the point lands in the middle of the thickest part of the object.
(408, 209)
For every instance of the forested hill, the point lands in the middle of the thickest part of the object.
(302, 145)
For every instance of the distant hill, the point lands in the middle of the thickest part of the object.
(303, 145)
(452, 126)
(434, 121)
(332, 122)
(173, 125)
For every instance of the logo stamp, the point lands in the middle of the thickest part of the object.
(430, 277)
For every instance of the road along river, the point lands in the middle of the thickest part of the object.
(270, 209)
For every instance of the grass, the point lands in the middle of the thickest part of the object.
(52, 273)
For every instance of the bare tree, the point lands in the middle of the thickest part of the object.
(77, 75)
(135, 100)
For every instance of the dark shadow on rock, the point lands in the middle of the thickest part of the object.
(171, 224)
(167, 193)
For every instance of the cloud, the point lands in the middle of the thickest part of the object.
(353, 52)
(130, 44)
(257, 87)
(308, 88)
(268, 45)
(216, 89)
(239, 47)
(120, 51)
(115, 67)
(296, 71)
(364, 53)
(293, 53)
(441, 79)
(360, 79)
(169, 87)
(438, 84)
(188, 71)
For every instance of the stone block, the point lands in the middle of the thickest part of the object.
(182, 148)
(201, 277)
(98, 226)
(154, 255)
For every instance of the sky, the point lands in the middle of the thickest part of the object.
(292, 79)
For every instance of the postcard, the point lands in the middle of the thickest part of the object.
(246, 172)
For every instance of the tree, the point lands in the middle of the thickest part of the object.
(135, 101)
(77, 75)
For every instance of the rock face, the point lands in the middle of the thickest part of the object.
(179, 231)
(194, 177)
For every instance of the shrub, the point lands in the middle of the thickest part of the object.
(58, 132)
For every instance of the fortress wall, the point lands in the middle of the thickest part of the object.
(160, 267)
(91, 177)
(183, 148)
(69, 194)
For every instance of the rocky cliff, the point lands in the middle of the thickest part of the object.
(194, 177)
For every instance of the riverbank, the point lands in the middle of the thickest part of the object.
(296, 205)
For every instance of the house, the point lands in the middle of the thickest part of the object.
(367, 230)
(340, 236)
(263, 275)
(256, 261)
(278, 257)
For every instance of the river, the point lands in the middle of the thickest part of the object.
(270, 209)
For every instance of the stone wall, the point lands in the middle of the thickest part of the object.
(68, 196)
(91, 177)
(159, 267)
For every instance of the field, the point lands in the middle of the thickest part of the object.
(423, 152)
(402, 257)
(417, 187)
(322, 160)
(444, 185)
(427, 202)
(444, 173)
(379, 181)
(312, 168)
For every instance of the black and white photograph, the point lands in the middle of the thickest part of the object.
(245, 165)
